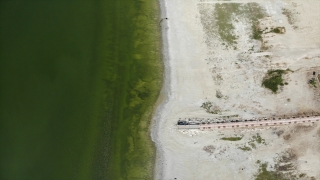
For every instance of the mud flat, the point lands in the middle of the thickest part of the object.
(239, 59)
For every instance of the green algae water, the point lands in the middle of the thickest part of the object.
(78, 84)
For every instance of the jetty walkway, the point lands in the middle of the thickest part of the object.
(202, 124)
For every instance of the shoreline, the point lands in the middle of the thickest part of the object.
(163, 98)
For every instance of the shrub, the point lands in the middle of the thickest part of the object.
(273, 79)
(231, 138)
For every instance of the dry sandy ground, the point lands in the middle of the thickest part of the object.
(198, 65)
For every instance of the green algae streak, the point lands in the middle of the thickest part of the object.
(79, 80)
(138, 85)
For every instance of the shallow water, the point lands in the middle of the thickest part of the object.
(78, 81)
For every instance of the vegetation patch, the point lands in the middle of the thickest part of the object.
(211, 108)
(245, 148)
(284, 169)
(273, 79)
(219, 94)
(231, 138)
(209, 149)
(256, 32)
(313, 82)
(258, 139)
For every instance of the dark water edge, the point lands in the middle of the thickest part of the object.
(78, 84)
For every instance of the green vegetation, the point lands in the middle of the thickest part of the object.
(256, 32)
(258, 139)
(78, 83)
(273, 79)
(264, 174)
(231, 138)
(313, 82)
(276, 30)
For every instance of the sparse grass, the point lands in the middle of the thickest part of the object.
(264, 174)
(273, 79)
(223, 14)
(219, 94)
(231, 138)
(284, 169)
(258, 139)
(210, 108)
(290, 15)
(218, 79)
(217, 20)
(252, 143)
(279, 133)
(256, 13)
(209, 149)
(245, 148)
(256, 32)
(313, 82)
(287, 137)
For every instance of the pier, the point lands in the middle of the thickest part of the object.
(207, 124)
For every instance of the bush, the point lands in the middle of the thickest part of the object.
(231, 138)
(273, 79)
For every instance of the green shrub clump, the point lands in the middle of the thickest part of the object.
(273, 79)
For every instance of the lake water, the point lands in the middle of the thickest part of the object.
(78, 81)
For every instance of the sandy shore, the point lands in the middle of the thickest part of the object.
(198, 65)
